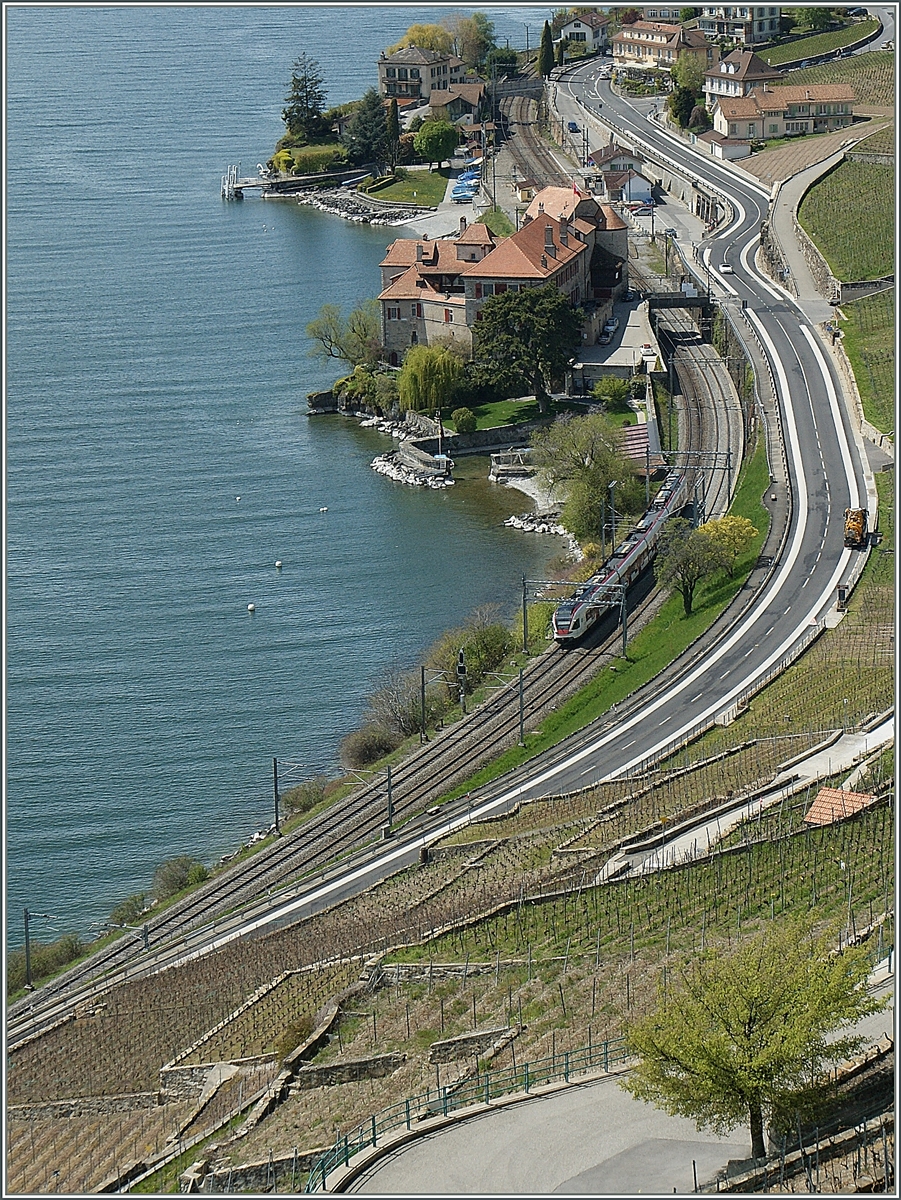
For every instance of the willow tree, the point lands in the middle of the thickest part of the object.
(429, 378)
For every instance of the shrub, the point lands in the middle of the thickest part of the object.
(130, 910)
(46, 959)
(177, 873)
(367, 745)
(464, 419)
(304, 796)
(293, 1035)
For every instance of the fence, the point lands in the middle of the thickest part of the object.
(479, 1089)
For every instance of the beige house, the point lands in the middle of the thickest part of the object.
(413, 74)
(785, 112)
(655, 44)
(589, 29)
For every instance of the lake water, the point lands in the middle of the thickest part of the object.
(157, 370)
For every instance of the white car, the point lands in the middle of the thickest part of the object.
(725, 269)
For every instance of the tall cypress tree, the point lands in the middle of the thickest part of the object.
(546, 52)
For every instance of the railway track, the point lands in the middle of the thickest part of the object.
(418, 781)
(530, 152)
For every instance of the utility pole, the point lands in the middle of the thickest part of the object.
(275, 792)
(461, 680)
(28, 919)
(525, 619)
(522, 740)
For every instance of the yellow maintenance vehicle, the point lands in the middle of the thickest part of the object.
(855, 528)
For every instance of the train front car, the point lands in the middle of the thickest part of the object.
(574, 617)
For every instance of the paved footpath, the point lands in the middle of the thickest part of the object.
(593, 1139)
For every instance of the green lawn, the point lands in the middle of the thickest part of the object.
(818, 43)
(420, 187)
(854, 197)
(869, 339)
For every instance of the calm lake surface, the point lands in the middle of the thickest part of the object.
(157, 370)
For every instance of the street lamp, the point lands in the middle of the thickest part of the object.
(528, 27)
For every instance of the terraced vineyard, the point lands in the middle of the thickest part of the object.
(853, 196)
(871, 75)
(869, 340)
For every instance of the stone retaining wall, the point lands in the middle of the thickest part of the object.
(467, 1045)
(273, 1174)
(83, 1106)
(349, 1071)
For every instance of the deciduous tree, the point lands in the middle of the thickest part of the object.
(436, 141)
(305, 102)
(473, 38)
(581, 457)
(426, 37)
(732, 534)
(355, 339)
(739, 1035)
(688, 72)
(529, 336)
(685, 557)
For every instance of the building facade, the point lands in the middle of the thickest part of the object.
(433, 290)
(412, 73)
(750, 24)
(589, 29)
(737, 75)
(654, 44)
(785, 112)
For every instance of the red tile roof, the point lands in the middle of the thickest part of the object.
(832, 804)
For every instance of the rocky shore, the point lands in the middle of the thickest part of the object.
(353, 206)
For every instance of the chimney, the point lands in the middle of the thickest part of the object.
(462, 224)
(419, 252)
(549, 247)
(540, 207)
(544, 262)
(564, 231)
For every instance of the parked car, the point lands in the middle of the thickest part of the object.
(605, 339)
(611, 325)
(630, 296)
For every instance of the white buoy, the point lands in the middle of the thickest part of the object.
(237, 497)
(251, 608)
(323, 510)
(278, 564)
